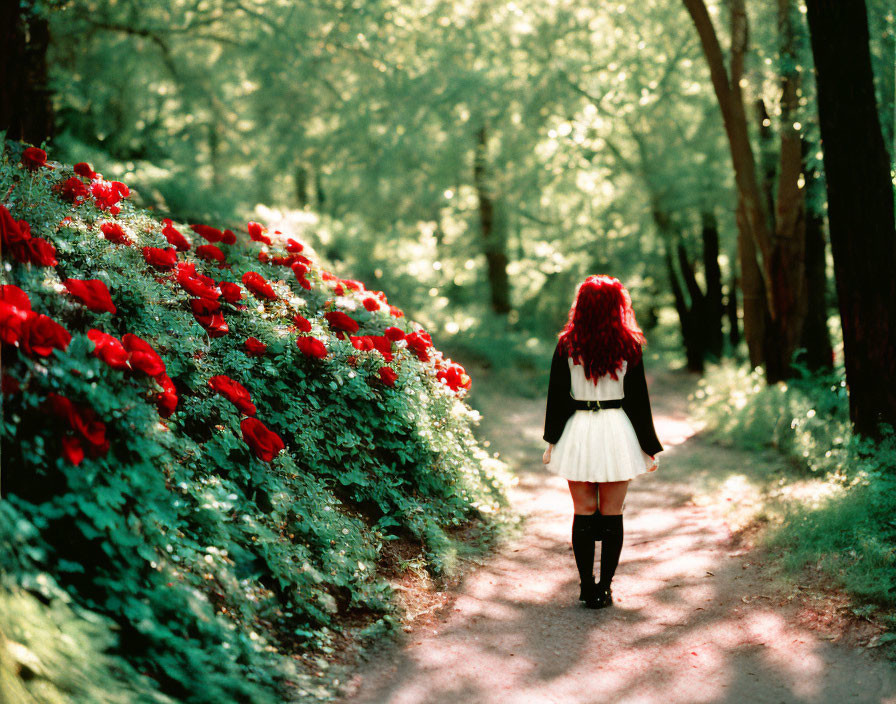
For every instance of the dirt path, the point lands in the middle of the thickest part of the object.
(695, 618)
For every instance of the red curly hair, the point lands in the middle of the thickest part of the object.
(602, 330)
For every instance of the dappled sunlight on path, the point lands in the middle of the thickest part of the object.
(690, 624)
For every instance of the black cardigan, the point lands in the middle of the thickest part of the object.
(636, 403)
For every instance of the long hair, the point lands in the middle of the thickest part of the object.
(602, 330)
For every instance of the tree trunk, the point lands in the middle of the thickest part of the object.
(26, 112)
(493, 240)
(753, 292)
(787, 268)
(301, 184)
(715, 308)
(731, 312)
(860, 208)
(816, 338)
(694, 346)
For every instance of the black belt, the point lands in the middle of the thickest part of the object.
(580, 405)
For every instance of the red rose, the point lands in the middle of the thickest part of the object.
(82, 168)
(394, 334)
(11, 232)
(371, 304)
(107, 194)
(189, 269)
(196, 284)
(383, 345)
(72, 450)
(362, 343)
(232, 292)
(74, 191)
(300, 270)
(212, 234)
(229, 237)
(174, 237)
(353, 285)
(256, 232)
(419, 342)
(293, 246)
(142, 356)
(302, 323)
(33, 158)
(114, 232)
(255, 347)
(338, 290)
(41, 252)
(204, 306)
(166, 401)
(59, 405)
(214, 324)
(83, 419)
(234, 392)
(340, 321)
(41, 335)
(454, 376)
(263, 257)
(387, 376)
(9, 385)
(258, 285)
(109, 349)
(15, 309)
(210, 253)
(266, 444)
(160, 258)
(305, 284)
(312, 347)
(395, 312)
(92, 293)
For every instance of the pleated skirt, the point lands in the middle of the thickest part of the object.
(598, 446)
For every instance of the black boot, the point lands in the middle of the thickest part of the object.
(609, 557)
(583, 532)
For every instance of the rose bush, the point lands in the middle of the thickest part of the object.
(135, 484)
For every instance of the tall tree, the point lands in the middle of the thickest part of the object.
(494, 243)
(860, 207)
(25, 109)
(774, 236)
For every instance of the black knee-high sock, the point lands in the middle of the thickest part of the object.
(583, 545)
(597, 527)
(611, 547)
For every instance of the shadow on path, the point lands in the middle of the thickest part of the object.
(690, 623)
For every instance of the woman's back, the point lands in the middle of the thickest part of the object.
(605, 388)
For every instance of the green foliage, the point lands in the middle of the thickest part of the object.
(214, 564)
(842, 524)
(54, 652)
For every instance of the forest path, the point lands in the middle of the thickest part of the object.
(695, 617)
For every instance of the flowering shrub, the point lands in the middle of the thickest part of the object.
(212, 450)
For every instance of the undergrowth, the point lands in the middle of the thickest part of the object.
(832, 505)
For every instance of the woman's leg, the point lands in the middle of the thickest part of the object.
(612, 498)
(584, 497)
(584, 527)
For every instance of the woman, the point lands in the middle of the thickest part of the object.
(598, 424)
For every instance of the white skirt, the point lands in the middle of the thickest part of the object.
(599, 446)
